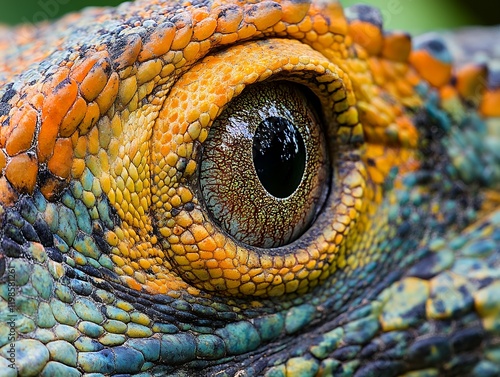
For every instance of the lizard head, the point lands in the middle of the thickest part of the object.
(229, 188)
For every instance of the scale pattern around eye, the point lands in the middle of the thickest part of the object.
(264, 167)
(219, 212)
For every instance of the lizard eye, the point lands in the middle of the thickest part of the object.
(264, 165)
(242, 150)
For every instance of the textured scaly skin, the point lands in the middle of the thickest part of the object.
(110, 263)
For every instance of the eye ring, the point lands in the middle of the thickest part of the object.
(200, 252)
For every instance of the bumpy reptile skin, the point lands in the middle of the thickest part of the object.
(110, 263)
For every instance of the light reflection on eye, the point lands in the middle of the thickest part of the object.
(264, 166)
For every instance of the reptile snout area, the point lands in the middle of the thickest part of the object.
(250, 188)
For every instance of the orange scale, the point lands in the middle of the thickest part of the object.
(204, 28)
(95, 81)
(228, 19)
(3, 161)
(77, 168)
(206, 254)
(391, 69)
(52, 82)
(377, 70)
(128, 55)
(216, 273)
(207, 244)
(431, 69)
(367, 35)
(404, 88)
(159, 42)
(319, 25)
(187, 238)
(132, 283)
(55, 107)
(182, 37)
(448, 92)
(81, 69)
(24, 124)
(61, 161)
(22, 171)
(90, 119)
(306, 24)
(232, 274)
(199, 14)
(108, 95)
(199, 232)
(263, 15)
(191, 257)
(376, 175)
(490, 105)
(228, 38)
(246, 31)
(472, 80)
(297, 268)
(219, 254)
(397, 46)
(93, 141)
(73, 117)
(213, 264)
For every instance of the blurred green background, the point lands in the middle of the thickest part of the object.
(415, 16)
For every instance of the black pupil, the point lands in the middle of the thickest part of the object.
(279, 156)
